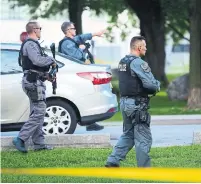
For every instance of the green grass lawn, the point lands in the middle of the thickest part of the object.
(173, 157)
(160, 104)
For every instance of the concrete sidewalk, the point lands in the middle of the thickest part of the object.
(165, 120)
(68, 140)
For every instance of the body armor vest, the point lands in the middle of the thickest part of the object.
(68, 38)
(129, 85)
(26, 63)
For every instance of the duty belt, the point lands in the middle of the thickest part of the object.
(40, 75)
(136, 96)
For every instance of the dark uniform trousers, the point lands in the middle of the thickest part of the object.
(33, 127)
(136, 134)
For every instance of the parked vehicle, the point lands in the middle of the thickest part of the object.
(83, 95)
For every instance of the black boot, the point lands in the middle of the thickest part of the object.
(19, 144)
(110, 164)
(94, 127)
(42, 147)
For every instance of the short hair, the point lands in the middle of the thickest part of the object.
(30, 26)
(135, 39)
(65, 26)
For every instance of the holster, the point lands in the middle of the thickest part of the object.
(141, 115)
(32, 77)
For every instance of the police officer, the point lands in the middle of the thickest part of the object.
(35, 65)
(136, 84)
(74, 46)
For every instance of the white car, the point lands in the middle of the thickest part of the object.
(83, 95)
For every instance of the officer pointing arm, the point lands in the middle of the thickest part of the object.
(72, 44)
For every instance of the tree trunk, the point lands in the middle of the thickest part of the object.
(75, 14)
(155, 38)
(152, 25)
(194, 99)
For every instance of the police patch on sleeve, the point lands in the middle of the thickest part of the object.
(145, 67)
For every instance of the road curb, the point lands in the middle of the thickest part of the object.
(197, 137)
(176, 117)
(158, 122)
(71, 141)
(165, 120)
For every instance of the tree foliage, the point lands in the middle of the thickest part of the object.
(176, 13)
(177, 18)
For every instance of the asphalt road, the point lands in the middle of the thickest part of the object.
(163, 135)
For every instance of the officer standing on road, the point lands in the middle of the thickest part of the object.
(35, 65)
(136, 84)
(74, 46)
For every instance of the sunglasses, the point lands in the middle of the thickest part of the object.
(38, 28)
(72, 28)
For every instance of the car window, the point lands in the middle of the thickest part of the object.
(9, 62)
(70, 58)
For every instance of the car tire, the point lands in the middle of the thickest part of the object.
(60, 118)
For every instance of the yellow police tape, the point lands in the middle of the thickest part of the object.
(157, 174)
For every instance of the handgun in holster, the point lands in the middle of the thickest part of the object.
(33, 76)
(141, 115)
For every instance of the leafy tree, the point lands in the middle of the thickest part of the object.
(177, 18)
(157, 19)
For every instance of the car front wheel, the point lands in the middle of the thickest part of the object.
(60, 118)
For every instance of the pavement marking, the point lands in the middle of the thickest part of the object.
(154, 174)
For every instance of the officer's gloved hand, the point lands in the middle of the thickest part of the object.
(54, 64)
(50, 78)
(52, 73)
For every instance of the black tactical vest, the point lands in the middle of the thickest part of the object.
(129, 85)
(68, 38)
(26, 63)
